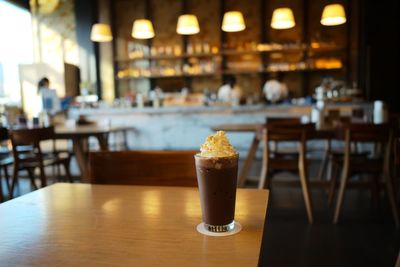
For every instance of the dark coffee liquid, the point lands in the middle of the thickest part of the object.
(217, 180)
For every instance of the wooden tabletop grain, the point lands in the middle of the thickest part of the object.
(105, 225)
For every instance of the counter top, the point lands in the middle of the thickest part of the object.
(187, 127)
(298, 109)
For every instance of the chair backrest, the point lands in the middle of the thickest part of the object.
(380, 134)
(27, 140)
(367, 132)
(288, 129)
(160, 168)
(30, 136)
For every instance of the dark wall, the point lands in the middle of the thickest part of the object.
(86, 14)
(380, 52)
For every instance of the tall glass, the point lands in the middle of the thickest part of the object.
(217, 180)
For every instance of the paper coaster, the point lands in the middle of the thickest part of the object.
(202, 230)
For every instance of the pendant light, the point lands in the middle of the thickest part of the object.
(233, 21)
(187, 25)
(333, 15)
(101, 33)
(142, 29)
(282, 18)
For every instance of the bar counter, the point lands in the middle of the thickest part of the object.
(186, 127)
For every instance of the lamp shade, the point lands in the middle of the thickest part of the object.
(233, 21)
(187, 24)
(282, 18)
(101, 33)
(142, 29)
(333, 14)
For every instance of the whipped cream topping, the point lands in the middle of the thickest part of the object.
(218, 146)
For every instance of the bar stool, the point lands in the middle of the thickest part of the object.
(293, 132)
(378, 164)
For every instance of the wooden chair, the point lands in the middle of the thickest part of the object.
(334, 120)
(161, 168)
(378, 164)
(287, 122)
(21, 137)
(287, 131)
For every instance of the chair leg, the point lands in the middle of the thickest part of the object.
(305, 189)
(251, 154)
(333, 184)
(264, 183)
(14, 180)
(31, 175)
(58, 170)
(67, 172)
(43, 179)
(125, 137)
(1, 191)
(392, 200)
(342, 188)
(325, 162)
(390, 182)
(7, 176)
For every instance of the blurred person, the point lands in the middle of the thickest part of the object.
(50, 102)
(230, 91)
(274, 90)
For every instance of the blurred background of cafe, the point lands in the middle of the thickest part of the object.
(171, 72)
(51, 39)
(107, 59)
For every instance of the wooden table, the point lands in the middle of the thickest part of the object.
(103, 225)
(79, 135)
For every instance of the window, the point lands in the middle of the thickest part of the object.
(16, 48)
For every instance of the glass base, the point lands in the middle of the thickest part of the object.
(220, 228)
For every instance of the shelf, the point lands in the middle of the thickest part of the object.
(248, 52)
(239, 72)
(170, 57)
(248, 72)
(233, 53)
(230, 72)
(326, 49)
(169, 76)
(305, 70)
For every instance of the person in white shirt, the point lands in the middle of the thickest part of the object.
(50, 101)
(230, 92)
(275, 91)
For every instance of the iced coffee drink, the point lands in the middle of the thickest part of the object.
(217, 166)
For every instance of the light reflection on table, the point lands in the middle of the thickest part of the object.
(82, 225)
